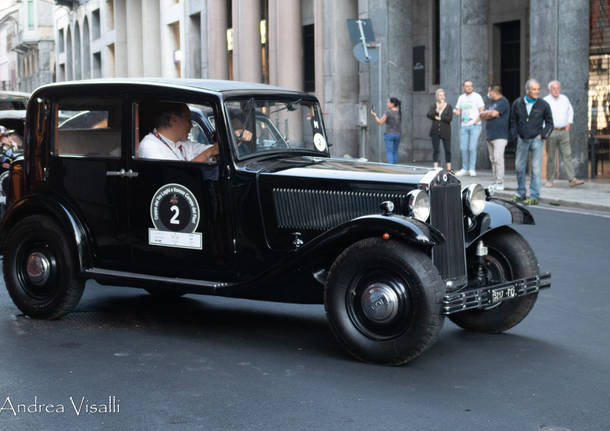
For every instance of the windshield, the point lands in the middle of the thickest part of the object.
(260, 125)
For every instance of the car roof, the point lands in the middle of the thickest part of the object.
(14, 95)
(213, 85)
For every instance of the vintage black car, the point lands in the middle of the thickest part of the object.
(389, 250)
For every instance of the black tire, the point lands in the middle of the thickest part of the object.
(166, 293)
(509, 257)
(40, 269)
(409, 280)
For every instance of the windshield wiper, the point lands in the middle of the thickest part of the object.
(289, 106)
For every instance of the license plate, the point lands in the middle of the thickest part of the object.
(502, 293)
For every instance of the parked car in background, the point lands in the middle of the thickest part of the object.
(390, 250)
(13, 100)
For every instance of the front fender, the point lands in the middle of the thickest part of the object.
(497, 212)
(45, 205)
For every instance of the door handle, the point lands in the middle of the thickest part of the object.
(122, 173)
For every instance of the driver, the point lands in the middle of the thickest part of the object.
(169, 139)
(243, 136)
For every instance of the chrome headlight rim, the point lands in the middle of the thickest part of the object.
(474, 197)
(419, 205)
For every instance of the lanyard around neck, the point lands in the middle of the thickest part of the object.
(180, 156)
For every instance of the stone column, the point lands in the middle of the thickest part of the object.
(318, 8)
(392, 26)
(120, 44)
(285, 44)
(217, 67)
(464, 55)
(341, 79)
(151, 39)
(559, 47)
(246, 41)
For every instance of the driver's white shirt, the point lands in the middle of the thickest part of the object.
(151, 147)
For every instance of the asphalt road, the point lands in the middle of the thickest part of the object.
(220, 364)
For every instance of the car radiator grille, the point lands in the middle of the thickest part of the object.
(446, 215)
(324, 209)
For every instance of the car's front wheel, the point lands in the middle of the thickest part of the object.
(383, 301)
(39, 269)
(509, 257)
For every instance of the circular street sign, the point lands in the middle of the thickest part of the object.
(359, 54)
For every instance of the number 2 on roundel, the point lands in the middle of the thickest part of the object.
(176, 211)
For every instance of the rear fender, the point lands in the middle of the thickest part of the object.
(67, 220)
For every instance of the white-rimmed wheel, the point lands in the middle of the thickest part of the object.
(39, 269)
(383, 301)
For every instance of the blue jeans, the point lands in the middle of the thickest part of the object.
(391, 146)
(524, 146)
(469, 136)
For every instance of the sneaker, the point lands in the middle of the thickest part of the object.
(472, 173)
(461, 172)
(548, 184)
(531, 201)
(576, 182)
(517, 198)
(499, 185)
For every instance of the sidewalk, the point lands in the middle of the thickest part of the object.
(592, 195)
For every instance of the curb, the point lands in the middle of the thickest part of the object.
(560, 202)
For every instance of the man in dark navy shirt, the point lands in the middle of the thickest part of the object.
(531, 121)
(497, 115)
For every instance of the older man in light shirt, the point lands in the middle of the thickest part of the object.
(563, 117)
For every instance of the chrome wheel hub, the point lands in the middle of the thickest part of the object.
(379, 303)
(38, 268)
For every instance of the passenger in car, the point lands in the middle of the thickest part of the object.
(243, 136)
(169, 139)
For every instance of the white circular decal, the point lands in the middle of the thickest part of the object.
(174, 208)
(319, 142)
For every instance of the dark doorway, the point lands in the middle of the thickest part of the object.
(510, 58)
(309, 60)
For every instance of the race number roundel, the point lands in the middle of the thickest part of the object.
(319, 142)
(174, 208)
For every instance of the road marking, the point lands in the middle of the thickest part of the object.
(579, 211)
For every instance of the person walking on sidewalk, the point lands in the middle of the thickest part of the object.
(531, 121)
(392, 119)
(563, 117)
(497, 116)
(469, 105)
(441, 113)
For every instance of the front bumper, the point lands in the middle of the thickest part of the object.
(489, 296)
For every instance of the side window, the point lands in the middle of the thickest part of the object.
(171, 130)
(88, 127)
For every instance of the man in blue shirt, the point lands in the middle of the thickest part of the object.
(497, 115)
(531, 121)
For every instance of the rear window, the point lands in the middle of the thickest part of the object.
(89, 128)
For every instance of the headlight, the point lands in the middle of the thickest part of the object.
(419, 204)
(474, 199)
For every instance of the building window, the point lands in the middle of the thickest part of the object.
(95, 24)
(30, 14)
(60, 40)
(264, 41)
(309, 60)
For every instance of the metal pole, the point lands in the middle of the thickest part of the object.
(379, 83)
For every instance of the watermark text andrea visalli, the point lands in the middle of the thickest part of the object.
(77, 405)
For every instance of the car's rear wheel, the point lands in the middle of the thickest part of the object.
(383, 301)
(509, 257)
(40, 269)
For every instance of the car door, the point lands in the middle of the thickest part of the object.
(178, 222)
(83, 167)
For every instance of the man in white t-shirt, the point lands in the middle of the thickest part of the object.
(169, 140)
(469, 105)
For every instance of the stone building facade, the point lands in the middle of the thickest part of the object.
(304, 44)
(27, 46)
